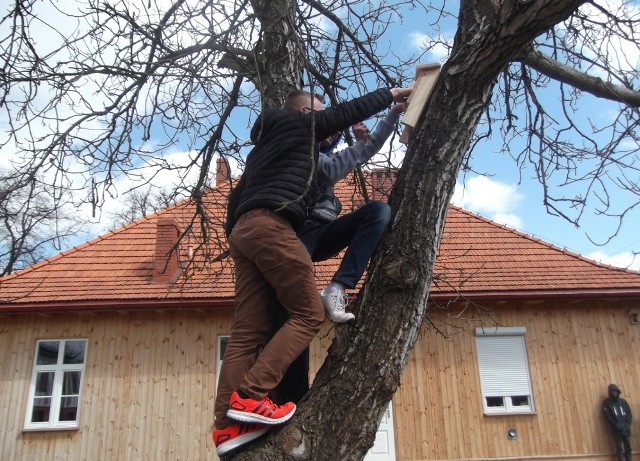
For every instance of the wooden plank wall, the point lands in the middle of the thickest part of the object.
(148, 389)
(150, 384)
(574, 351)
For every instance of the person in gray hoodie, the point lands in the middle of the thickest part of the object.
(325, 233)
(618, 415)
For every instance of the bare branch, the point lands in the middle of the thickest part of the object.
(580, 80)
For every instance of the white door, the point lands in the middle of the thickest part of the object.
(384, 447)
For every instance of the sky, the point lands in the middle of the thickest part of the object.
(507, 194)
(511, 196)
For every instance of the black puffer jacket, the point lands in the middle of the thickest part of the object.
(617, 412)
(281, 169)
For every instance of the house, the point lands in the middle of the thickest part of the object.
(110, 350)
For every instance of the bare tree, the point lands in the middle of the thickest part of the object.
(142, 72)
(139, 203)
(33, 225)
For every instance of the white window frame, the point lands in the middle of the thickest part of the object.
(504, 370)
(58, 369)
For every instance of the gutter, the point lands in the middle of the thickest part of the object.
(117, 306)
(535, 295)
(228, 302)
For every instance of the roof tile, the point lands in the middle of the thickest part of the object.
(475, 256)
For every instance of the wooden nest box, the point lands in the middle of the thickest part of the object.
(426, 76)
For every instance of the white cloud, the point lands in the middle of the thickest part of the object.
(615, 51)
(167, 172)
(418, 39)
(625, 260)
(438, 47)
(200, 23)
(316, 19)
(323, 23)
(508, 219)
(494, 199)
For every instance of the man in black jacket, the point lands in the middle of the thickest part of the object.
(265, 210)
(618, 415)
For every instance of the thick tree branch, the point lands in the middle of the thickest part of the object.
(593, 85)
(238, 64)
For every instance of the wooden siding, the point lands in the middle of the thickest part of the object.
(574, 352)
(148, 390)
(150, 382)
(148, 387)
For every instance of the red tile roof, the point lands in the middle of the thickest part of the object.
(477, 259)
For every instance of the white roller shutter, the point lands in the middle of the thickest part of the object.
(503, 365)
(502, 362)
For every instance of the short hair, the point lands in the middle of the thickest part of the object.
(300, 98)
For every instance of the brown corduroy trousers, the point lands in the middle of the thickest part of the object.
(268, 258)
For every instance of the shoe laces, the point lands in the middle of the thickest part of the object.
(274, 405)
(341, 301)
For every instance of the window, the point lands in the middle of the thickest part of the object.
(56, 384)
(504, 370)
(222, 346)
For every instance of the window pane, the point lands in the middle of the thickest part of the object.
(495, 402)
(74, 352)
(68, 408)
(520, 400)
(71, 383)
(44, 384)
(223, 346)
(41, 407)
(48, 352)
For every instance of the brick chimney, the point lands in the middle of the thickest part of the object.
(223, 172)
(382, 181)
(166, 260)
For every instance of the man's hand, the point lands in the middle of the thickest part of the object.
(401, 94)
(360, 131)
(399, 108)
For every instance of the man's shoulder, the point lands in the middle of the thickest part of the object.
(273, 118)
(282, 117)
(276, 114)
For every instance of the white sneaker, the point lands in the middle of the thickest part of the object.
(334, 305)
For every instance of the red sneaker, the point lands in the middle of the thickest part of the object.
(259, 411)
(236, 435)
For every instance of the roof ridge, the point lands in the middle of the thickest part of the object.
(545, 243)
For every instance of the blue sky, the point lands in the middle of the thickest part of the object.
(511, 196)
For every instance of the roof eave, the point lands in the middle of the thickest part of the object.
(534, 295)
(228, 302)
(116, 306)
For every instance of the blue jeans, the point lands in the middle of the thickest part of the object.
(360, 231)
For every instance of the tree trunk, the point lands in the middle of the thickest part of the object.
(278, 53)
(338, 418)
